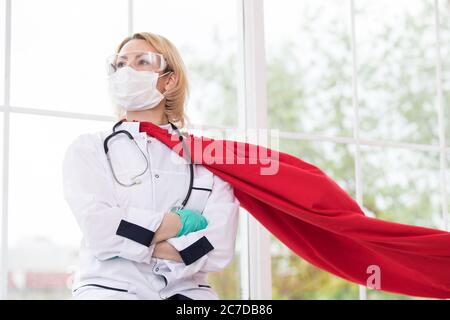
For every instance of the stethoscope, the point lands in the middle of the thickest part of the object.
(136, 179)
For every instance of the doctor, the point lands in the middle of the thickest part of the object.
(127, 194)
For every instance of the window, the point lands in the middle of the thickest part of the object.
(67, 52)
(310, 91)
(293, 277)
(313, 92)
(309, 86)
(444, 29)
(209, 50)
(396, 70)
(2, 52)
(62, 70)
(43, 234)
(326, 61)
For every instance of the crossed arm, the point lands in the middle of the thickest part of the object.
(169, 228)
(110, 230)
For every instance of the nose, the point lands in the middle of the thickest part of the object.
(130, 64)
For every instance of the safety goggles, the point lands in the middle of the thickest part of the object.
(139, 60)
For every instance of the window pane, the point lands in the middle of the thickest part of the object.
(208, 49)
(444, 18)
(293, 277)
(2, 52)
(1, 185)
(402, 186)
(227, 282)
(448, 190)
(309, 70)
(396, 71)
(59, 50)
(43, 234)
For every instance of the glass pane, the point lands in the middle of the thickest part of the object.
(226, 283)
(402, 186)
(448, 191)
(1, 187)
(309, 70)
(444, 12)
(293, 277)
(396, 70)
(444, 18)
(2, 52)
(209, 50)
(43, 235)
(62, 65)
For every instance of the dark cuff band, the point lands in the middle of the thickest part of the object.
(196, 250)
(135, 232)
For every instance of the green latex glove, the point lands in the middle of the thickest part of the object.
(190, 221)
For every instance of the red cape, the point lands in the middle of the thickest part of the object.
(307, 211)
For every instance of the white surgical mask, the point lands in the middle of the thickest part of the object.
(135, 90)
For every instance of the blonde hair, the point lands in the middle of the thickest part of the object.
(175, 97)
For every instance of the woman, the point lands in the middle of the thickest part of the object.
(136, 244)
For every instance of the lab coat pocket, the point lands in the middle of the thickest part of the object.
(201, 190)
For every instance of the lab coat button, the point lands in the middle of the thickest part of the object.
(157, 269)
(156, 175)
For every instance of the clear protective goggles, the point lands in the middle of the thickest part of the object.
(139, 60)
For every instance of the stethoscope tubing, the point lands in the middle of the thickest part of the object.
(130, 136)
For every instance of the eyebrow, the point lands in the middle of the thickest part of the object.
(124, 56)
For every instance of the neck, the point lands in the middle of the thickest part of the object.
(155, 116)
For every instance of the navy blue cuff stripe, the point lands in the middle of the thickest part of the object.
(204, 189)
(196, 250)
(135, 232)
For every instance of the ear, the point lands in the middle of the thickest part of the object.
(171, 81)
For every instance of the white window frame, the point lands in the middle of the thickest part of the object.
(256, 282)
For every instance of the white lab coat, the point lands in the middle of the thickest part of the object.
(117, 222)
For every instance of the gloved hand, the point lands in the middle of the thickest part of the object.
(190, 221)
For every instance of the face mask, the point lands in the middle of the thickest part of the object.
(135, 90)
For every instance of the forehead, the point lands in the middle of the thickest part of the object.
(136, 45)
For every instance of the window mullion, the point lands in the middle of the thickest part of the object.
(6, 132)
